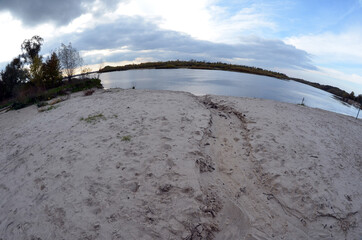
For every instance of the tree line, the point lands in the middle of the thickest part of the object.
(193, 64)
(29, 71)
(343, 95)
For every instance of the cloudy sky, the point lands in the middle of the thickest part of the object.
(320, 41)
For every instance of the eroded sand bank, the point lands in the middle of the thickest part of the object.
(137, 164)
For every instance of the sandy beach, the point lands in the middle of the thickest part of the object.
(141, 164)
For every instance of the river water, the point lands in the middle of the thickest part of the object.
(201, 82)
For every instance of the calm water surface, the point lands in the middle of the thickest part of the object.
(201, 82)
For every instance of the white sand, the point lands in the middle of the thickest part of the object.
(194, 168)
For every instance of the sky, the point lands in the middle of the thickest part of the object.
(317, 40)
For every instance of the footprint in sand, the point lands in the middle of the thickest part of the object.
(166, 147)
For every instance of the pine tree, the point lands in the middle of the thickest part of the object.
(36, 72)
(52, 73)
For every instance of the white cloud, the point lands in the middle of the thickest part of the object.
(345, 47)
(96, 67)
(332, 73)
(78, 25)
(201, 19)
(17, 29)
(246, 22)
(327, 76)
(15, 33)
(104, 52)
(10, 44)
(187, 16)
(130, 37)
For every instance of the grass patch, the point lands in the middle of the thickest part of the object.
(47, 109)
(93, 118)
(126, 138)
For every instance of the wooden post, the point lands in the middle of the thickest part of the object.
(358, 111)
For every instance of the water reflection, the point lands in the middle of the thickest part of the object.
(201, 82)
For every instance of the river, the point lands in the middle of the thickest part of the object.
(201, 82)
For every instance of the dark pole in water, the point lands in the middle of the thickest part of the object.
(358, 111)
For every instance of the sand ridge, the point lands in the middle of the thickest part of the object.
(141, 164)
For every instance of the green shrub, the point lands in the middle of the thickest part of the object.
(41, 104)
(18, 105)
(126, 138)
(82, 84)
(29, 94)
(88, 92)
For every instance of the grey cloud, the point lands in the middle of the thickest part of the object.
(138, 35)
(60, 12)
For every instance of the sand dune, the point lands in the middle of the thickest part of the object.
(139, 164)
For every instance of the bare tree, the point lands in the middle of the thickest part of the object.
(69, 59)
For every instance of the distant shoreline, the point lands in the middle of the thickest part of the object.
(196, 65)
(192, 64)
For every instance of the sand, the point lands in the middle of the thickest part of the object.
(139, 164)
